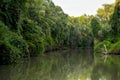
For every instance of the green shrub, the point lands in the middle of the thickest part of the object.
(100, 47)
(17, 41)
(115, 49)
(3, 30)
(9, 53)
(49, 43)
(113, 39)
(33, 35)
(104, 32)
(12, 46)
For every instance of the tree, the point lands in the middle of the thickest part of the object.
(115, 19)
(10, 11)
(105, 13)
(95, 25)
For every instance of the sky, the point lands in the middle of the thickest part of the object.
(80, 7)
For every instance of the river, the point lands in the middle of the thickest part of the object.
(64, 65)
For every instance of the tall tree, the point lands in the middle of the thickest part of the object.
(95, 25)
(115, 19)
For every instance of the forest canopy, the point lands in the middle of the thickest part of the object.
(32, 27)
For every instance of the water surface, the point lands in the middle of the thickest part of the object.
(64, 65)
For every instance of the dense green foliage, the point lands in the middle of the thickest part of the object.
(95, 27)
(31, 27)
(115, 20)
(12, 45)
(110, 31)
(115, 48)
(100, 47)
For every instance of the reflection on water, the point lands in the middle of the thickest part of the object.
(63, 65)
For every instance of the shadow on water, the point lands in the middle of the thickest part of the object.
(63, 65)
